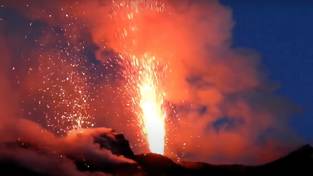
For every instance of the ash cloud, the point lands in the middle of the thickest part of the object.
(29, 146)
(222, 108)
(24, 142)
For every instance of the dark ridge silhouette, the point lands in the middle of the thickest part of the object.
(298, 163)
(10, 168)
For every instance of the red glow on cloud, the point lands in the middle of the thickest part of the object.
(200, 78)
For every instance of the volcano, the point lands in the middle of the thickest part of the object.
(298, 162)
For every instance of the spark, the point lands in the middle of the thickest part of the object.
(141, 72)
(151, 102)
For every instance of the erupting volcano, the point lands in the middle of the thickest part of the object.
(138, 87)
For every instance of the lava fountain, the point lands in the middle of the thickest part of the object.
(151, 104)
(144, 83)
(149, 100)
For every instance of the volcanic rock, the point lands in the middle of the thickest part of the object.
(155, 164)
(117, 145)
(122, 161)
(299, 162)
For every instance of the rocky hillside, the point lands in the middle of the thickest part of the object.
(122, 161)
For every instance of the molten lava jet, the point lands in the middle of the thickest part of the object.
(151, 101)
(144, 75)
(142, 69)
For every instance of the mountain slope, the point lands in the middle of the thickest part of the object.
(109, 153)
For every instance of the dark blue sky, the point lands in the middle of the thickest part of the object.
(282, 33)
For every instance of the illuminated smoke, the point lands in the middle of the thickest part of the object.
(219, 105)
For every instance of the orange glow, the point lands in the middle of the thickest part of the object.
(142, 74)
(151, 101)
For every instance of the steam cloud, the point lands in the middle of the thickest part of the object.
(221, 106)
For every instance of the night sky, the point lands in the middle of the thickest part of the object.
(282, 34)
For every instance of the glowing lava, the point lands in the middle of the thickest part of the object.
(142, 68)
(151, 102)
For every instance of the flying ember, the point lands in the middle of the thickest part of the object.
(142, 70)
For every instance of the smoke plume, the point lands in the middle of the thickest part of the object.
(221, 107)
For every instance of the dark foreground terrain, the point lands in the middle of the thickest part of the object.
(298, 163)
